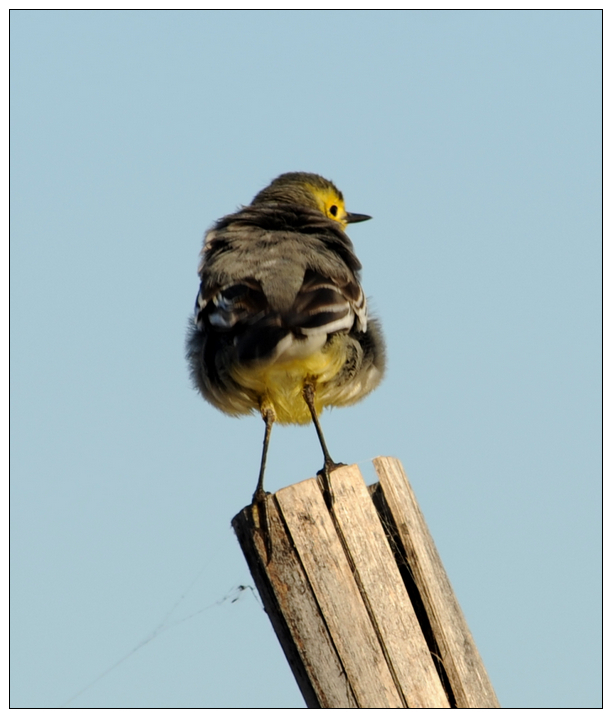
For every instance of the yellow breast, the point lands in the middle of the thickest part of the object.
(281, 384)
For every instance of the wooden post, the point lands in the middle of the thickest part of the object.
(359, 598)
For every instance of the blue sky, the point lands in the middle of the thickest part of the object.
(473, 138)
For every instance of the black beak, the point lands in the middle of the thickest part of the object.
(352, 218)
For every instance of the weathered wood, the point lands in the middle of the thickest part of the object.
(349, 592)
(383, 591)
(294, 612)
(333, 585)
(467, 675)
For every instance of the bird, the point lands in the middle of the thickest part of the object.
(281, 324)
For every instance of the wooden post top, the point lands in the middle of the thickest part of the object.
(358, 596)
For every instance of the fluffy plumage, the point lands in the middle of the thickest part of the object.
(280, 306)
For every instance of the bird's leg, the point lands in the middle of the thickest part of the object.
(269, 416)
(260, 509)
(329, 464)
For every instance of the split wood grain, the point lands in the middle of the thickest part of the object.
(294, 613)
(359, 598)
(383, 591)
(331, 579)
(466, 673)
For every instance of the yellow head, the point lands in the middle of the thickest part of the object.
(309, 190)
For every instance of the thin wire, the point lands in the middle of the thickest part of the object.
(233, 595)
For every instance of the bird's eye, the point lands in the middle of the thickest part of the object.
(333, 210)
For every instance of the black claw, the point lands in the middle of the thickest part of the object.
(331, 466)
(259, 496)
(325, 482)
(261, 519)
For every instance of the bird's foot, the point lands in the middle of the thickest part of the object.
(325, 482)
(261, 519)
